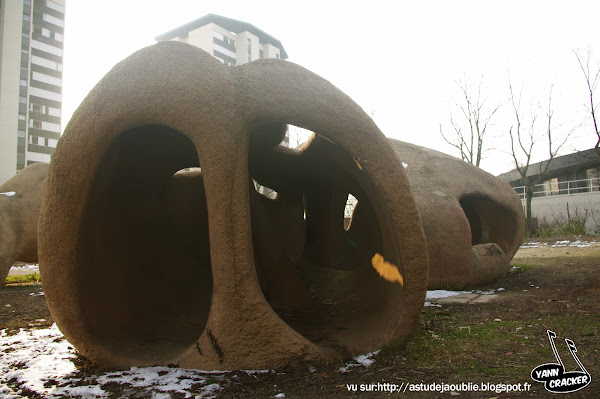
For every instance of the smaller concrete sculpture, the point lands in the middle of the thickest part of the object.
(20, 199)
(473, 221)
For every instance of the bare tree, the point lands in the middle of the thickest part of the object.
(468, 130)
(592, 85)
(522, 140)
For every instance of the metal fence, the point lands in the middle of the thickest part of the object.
(551, 188)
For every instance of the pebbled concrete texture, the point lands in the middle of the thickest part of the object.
(142, 266)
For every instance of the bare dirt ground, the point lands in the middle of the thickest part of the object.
(496, 342)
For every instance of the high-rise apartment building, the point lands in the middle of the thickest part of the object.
(231, 41)
(31, 60)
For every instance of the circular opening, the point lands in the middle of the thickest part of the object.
(143, 255)
(315, 268)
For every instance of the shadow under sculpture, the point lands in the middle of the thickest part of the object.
(473, 221)
(143, 265)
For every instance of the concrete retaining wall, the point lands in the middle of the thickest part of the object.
(558, 208)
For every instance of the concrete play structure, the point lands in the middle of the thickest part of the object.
(473, 221)
(20, 199)
(144, 263)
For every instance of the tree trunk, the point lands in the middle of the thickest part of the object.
(528, 219)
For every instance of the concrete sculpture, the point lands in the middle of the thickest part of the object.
(145, 265)
(20, 199)
(472, 220)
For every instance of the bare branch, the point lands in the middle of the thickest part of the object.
(470, 140)
(592, 84)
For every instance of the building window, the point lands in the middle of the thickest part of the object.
(21, 133)
(261, 54)
(26, 17)
(249, 49)
(35, 124)
(28, 2)
(22, 99)
(40, 109)
(23, 82)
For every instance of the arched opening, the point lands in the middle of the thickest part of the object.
(489, 221)
(143, 256)
(315, 272)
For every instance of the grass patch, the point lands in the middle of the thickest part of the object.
(520, 268)
(468, 347)
(24, 279)
(575, 325)
(506, 349)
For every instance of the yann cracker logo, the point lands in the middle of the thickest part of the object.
(554, 376)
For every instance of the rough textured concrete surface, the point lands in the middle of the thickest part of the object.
(145, 264)
(20, 199)
(472, 220)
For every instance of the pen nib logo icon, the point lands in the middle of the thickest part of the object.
(554, 376)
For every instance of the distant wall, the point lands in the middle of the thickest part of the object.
(549, 209)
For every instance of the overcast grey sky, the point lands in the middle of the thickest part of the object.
(398, 60)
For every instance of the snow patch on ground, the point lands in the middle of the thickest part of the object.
(27, 266)
(362, 360)
(561, 243)
(41, 360)
(439, 294)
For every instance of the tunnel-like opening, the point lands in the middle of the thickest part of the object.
(315, 267)
(489, 221)
(143, 254)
